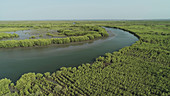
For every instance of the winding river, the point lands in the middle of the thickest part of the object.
(15, 62)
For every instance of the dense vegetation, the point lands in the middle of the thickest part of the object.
(44, 42)
(8, 35)
(68, 32)
(142, 69)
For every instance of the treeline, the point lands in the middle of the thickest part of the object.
(138, 70)
(82, 30)
(8, 35)
(45, 42)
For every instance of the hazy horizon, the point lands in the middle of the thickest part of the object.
(22, 10)
(92, 20)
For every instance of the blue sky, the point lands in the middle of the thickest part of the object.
(83, 9)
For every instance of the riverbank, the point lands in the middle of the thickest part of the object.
(72, 33)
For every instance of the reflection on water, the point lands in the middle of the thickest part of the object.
(26, 34)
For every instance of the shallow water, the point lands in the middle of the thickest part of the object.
(15, 62)
(26, 34)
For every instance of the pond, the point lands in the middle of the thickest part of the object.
(15, 62)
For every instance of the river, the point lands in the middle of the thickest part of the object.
(17, 61)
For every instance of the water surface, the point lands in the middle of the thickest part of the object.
(26, 34)
(15, 62)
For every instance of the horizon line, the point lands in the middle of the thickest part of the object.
(89, 20)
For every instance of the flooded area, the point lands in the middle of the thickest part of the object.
(37, 34)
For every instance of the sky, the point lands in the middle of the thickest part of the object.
(83, 9)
